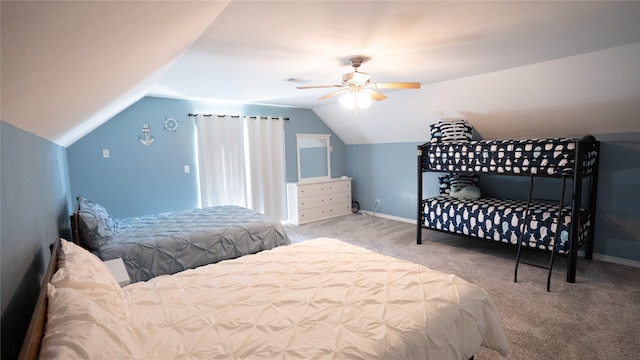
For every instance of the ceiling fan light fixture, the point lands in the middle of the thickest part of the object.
(357, 78)
(352, 99)
(357, 90)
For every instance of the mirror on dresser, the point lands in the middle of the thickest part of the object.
(314, 157)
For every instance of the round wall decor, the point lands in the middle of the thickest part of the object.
(170, 124)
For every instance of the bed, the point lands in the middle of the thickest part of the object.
(170, 242)
(316, 299)
(501, 220)
(561, 225)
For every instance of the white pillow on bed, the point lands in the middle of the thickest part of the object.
(88, 316)
(78, 327)
(468, 192)
(83, 271)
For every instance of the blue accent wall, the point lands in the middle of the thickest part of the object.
(389, 172)
(618, 210)
(35, 202)
(138, 180)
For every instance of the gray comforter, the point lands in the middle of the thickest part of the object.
(174, 241)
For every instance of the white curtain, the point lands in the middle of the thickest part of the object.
(241, 162)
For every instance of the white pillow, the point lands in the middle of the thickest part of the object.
(78, 327)
(83, 271)
(469, 192)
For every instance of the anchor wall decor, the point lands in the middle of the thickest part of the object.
(146, 138)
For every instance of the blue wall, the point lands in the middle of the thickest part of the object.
(35, 212)
(137, 179)
(389, 172)
(618, 210)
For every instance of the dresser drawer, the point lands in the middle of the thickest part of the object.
(312, 214)
(325, 212)
(323, 200)
(340, 198)
(312, 201)
(324, 188)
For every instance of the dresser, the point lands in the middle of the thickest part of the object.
(312, 201)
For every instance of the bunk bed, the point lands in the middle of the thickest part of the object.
(525, 223)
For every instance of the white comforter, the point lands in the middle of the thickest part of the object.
(319, 299)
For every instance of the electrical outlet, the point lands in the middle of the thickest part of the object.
(377, 203)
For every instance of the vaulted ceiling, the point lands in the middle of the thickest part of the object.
(67, 67)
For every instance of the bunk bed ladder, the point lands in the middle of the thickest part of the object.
(525, 227)
(558, 223)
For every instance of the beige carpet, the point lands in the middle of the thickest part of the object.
(598, 317)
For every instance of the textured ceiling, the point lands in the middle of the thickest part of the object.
(82, 62)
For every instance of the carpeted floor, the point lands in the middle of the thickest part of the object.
(598, 317)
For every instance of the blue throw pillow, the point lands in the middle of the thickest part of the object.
(94, 224)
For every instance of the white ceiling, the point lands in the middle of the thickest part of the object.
(82, 62)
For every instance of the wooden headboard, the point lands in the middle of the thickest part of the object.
(74, 222)
(35, 332)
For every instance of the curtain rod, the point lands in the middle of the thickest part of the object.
(238, 116)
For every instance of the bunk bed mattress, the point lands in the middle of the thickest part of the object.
(501, 220)
(552, 156)
(170, 242)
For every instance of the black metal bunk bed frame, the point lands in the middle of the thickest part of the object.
(585, 148)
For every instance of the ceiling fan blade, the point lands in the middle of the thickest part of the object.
(318, 86)
(330, 95)
(374, 94)
(396, 85)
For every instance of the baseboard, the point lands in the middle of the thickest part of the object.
(391, 217)
(613, 259)
(596, 256)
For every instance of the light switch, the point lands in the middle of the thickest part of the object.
(105, 153)
(186, 169)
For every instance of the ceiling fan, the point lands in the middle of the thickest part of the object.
(359, 82)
